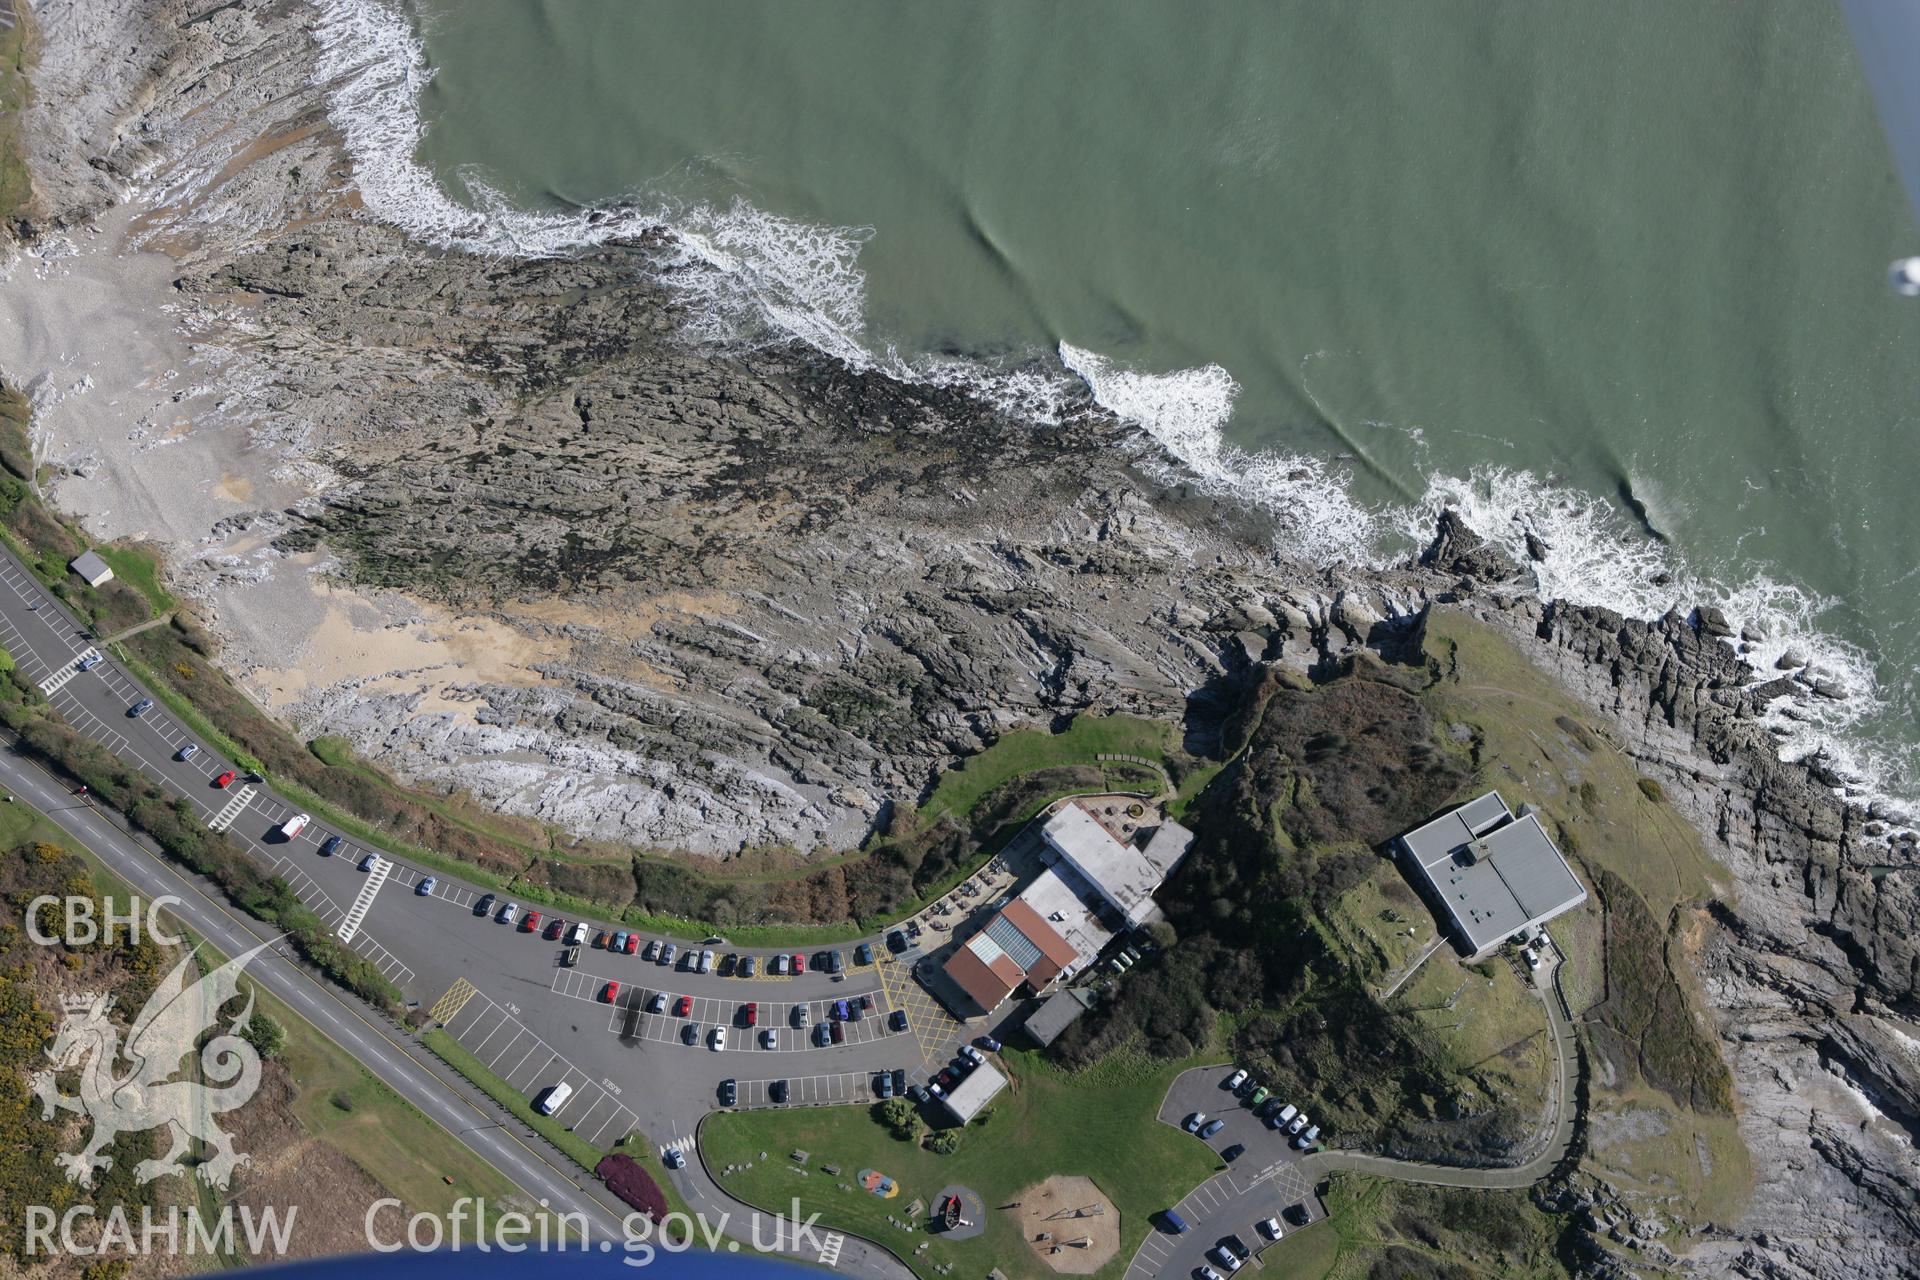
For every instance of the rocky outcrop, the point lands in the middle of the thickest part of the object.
(769, 594)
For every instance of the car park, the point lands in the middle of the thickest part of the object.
(1212, 1127)
(683, 1006)
(508, 913)
(1193, 1122)
(751, 1012)
(1238, 1078)
(717, 1039)
(187, 752)
(691, 1033)
(863, 954)
(532, 923)
(224, 779)
(425, 886)
(578, 934)
(658, 1004)
(484, 906)
(748, 966)
(1271, 1228)
(898, 1020)
(729, 1092)
(366, 863)
(612, 992)
(769, 1039)
(777, 1091)
(140, 708)
(799, 1015)
(799, 963)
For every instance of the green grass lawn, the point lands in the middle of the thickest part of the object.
(1028, 750)
(1379, 946)
(1097, 1123)
(139, 568)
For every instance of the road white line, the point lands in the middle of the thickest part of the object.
(364, 901)
(231, 810)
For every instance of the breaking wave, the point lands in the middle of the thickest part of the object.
(749, 278)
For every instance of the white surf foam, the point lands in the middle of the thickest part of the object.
(750, 278)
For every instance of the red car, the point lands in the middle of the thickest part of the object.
(223, 779)
(633, 943)
(684, 1008)
(532, 923)
(612, 991)
(555, 927)
(799, 963)
(753, 1012)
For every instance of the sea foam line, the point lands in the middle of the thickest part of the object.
(750, 278)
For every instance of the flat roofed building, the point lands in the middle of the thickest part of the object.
(1125, 874)
(968, 1098)
(1491, 874)
(1016, 946)
(1056, 1013)
(92, 569)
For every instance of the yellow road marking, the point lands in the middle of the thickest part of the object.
(452, 1001)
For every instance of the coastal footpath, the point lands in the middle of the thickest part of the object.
(498, 523)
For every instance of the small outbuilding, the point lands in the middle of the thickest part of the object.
(971, 1096)
(91, 569)
(1056, 1013)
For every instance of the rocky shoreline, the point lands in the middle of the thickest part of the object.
(493, 522)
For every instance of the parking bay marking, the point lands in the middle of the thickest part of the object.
(591, 1096)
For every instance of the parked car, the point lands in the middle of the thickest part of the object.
(777, 1091)
(532, 923)
(1532, 958)
(778, 965)
(866, 1002)
(833, 962)
(140, 708)
(840, 1009)
(898, 1020)
(91, 661)
(619, 942)
(896, 942)
(769, 1039)
(863, 954)
(706, 962)
(224, 779)
(602, 938)
(1271, 1228)
(330, 846)
(899, 1080)
(1193, 1122)
(658, 1004)
(690, 1033)
(839, 1031)
(1206, 1273)
(820, 1035)
(729, 1092)
(934, 1088)
(1233, 1152)
(883, 1084)
(612, 992)
(508, 913)
(187, 752)
(1299, 1123)
(1287, 1113)
(484, 906)
(1238, 1078)
(1258, 1096)
(366, 863)
(799, 1015)
(554, 1099)
(579, 933)
(1310, 1136)
(717, 1039)
(799, 963)
(570, 957)
(555, 928)
(1226, 1257)
(425, 886)
(1212, 1127)
(748, 966)
(988, 1043)
(972, 1054)
(667, 951)
(945, 1079)
(683, 1006)
(633, 944)
(918, 1094)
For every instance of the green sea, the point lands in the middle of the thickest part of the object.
(1610, 274)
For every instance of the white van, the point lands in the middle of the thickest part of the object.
(555, 1099)
(294, 826)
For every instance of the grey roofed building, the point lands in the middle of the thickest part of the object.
(92, 569)
(966, 1099)
(1491, 874)
(1056, 1013)
(1125, 874)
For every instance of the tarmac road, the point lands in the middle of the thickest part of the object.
(500, 990)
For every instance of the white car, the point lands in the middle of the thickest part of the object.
(1532, 958)
(1272, 1229)
(1307, 1139)
(706, 962)
(509, 913)
(1287, 1113)
(1207, 1273)
(1237, 1079)
(973, 1055)
(718, 1039)
(658, 1004)
(1299, 1123)
(1225, 1257)
(577, 936)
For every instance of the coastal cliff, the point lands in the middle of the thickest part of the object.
(495, 521)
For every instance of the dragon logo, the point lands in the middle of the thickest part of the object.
(145, 1095)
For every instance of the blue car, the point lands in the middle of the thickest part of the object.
(330, 846)
(863, 954)
(425, 886)
(91, 661)
(619, 942)
(1212, 1127)
(366, 863)
(140, 708)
